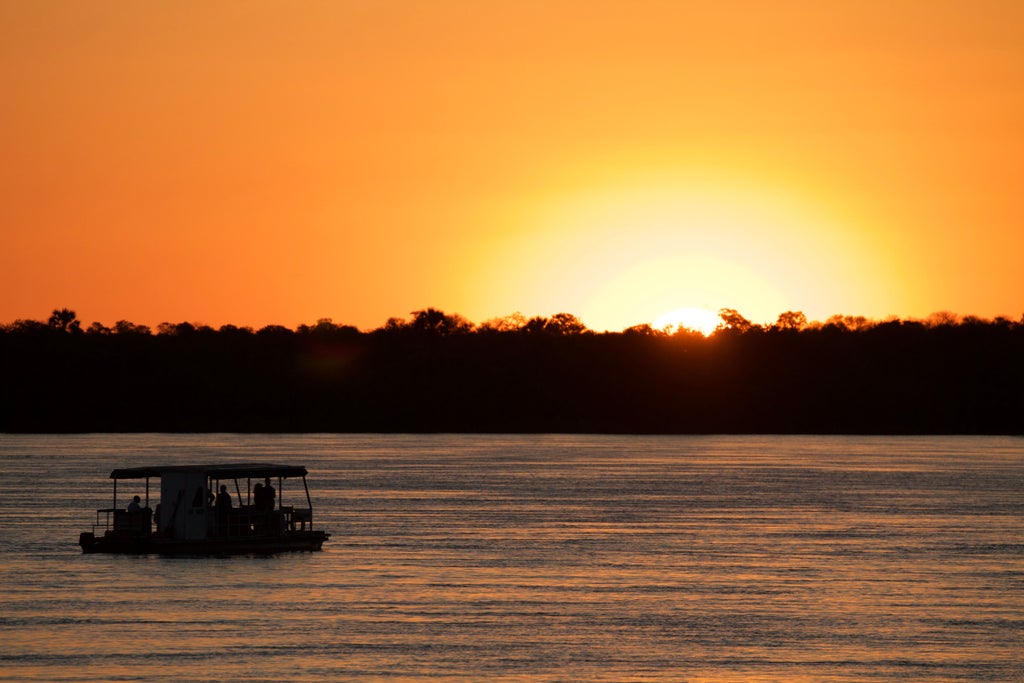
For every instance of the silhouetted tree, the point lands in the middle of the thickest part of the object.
(791, 320)
(234, 330)
(535, 325)
(175, 329)
(394, 324)
(852, 323)
(644, 330)
(732, 320)
(274, 331)
(98, 328)
(28, 327)
(564, 323)
(64, 320)
(326, 328)
(433, 321)
(683, 332)
(560, 324)
(510, 323)
(941, 318)
(127, 327)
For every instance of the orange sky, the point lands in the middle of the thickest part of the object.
(277, 162)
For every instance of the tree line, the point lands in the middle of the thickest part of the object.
(438, 372)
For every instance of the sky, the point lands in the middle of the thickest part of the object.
(258, 162)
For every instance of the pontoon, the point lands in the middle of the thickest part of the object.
(249, 515)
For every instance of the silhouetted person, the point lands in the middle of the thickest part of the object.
(223, 500)
(136, 517)
(275, 518)
(223, 509)
(257, 496)
(269, 495)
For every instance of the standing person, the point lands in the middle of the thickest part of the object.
(258, 496)
(272, 522)
(223, 510)
(268, 494)
(135, 505)
(223, 500)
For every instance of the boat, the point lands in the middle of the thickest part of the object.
(219, 509)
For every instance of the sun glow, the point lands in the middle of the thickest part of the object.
(691, 318)
(623, 253)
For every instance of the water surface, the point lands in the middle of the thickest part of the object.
(540, 558)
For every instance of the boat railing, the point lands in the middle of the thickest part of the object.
(241, 521)
(119, 520)
(299, 517)
(104, 524)
(248, 520)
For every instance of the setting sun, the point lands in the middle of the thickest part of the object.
(692, 318)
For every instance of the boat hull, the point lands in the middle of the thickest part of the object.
(297, 541)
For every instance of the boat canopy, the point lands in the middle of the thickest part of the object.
(219, 471)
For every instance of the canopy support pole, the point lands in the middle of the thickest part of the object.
(309, 502)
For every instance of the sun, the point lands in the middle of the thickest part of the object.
(691, 318)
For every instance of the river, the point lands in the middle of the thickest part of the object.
(537, 558)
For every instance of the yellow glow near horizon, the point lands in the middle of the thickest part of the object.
(623, 254)
(691, 318)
